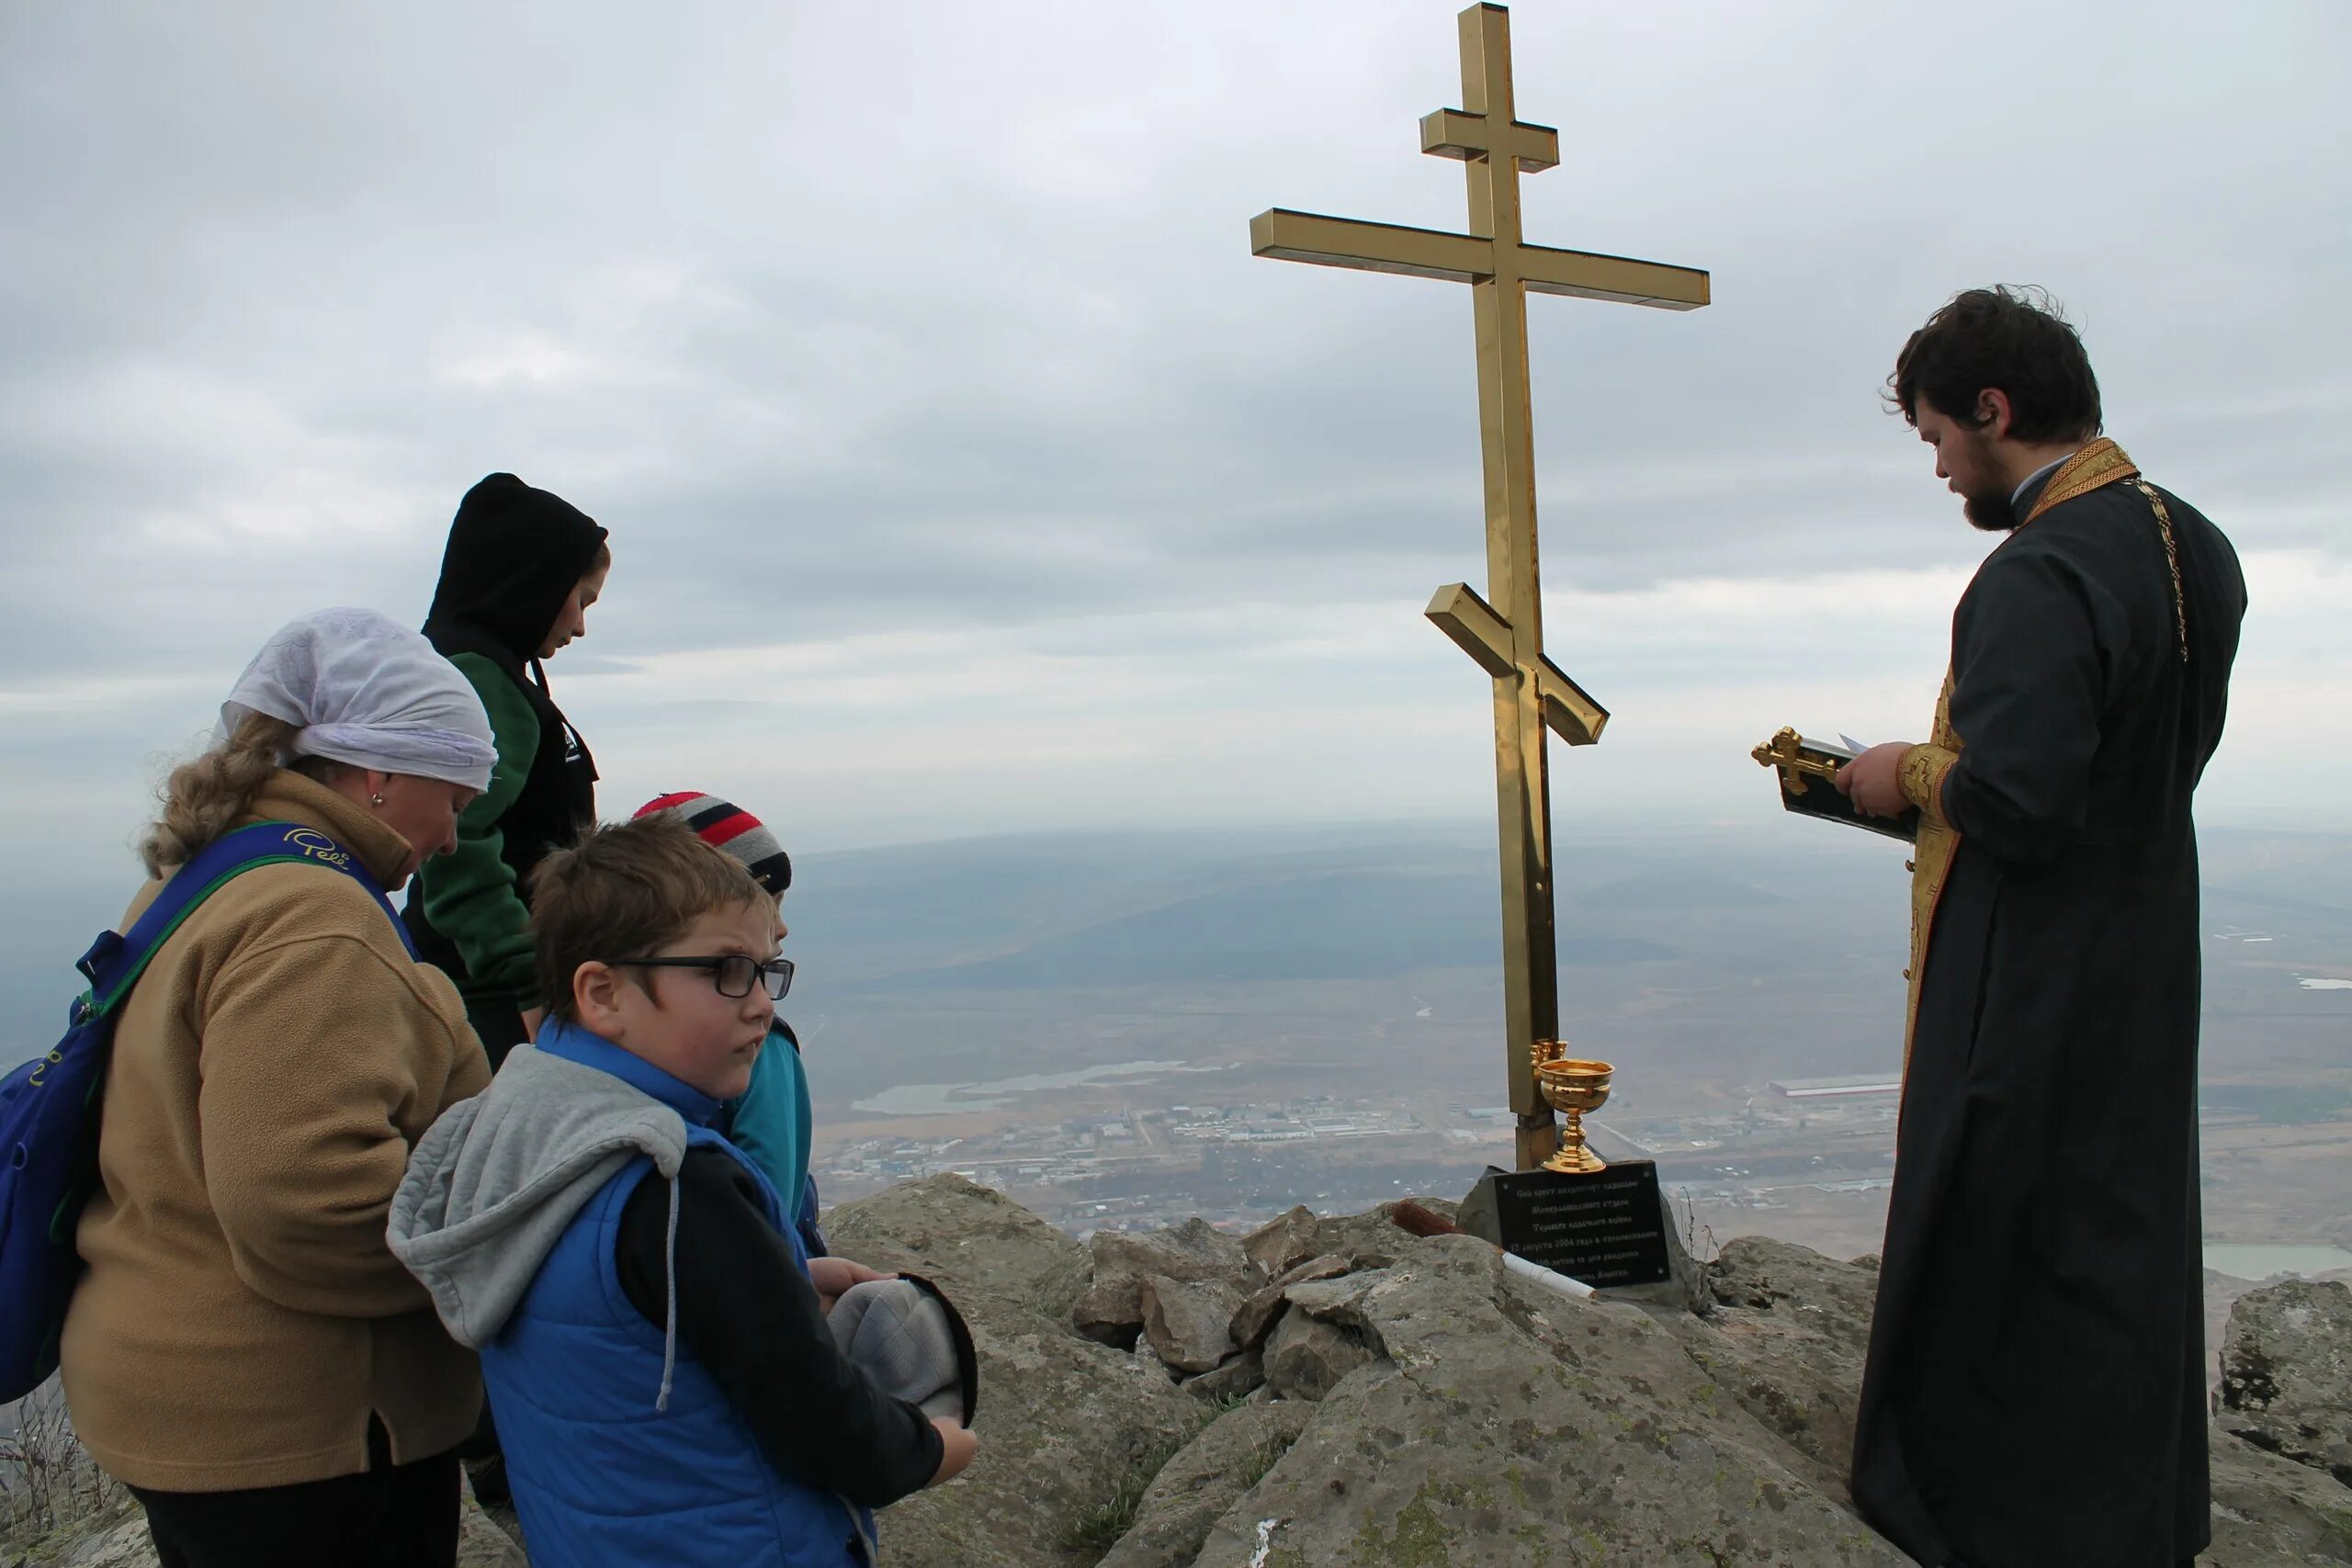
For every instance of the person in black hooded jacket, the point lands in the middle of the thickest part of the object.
(521, 570)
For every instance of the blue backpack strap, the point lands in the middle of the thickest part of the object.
(265, 843)
(50, 1107)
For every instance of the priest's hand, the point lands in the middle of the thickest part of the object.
(1873, 781)
(833, 1277)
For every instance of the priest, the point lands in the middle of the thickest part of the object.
(2035, 1389)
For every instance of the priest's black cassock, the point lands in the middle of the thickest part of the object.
(2035, 1389)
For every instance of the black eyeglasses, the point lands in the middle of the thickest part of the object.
(732, 973)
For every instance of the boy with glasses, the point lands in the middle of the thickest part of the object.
(772, 1120)
(656, 1351)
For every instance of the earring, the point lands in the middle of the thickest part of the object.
(377, 798)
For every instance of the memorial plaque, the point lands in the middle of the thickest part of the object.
(1603, 1228)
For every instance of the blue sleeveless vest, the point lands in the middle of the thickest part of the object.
(600, 1476)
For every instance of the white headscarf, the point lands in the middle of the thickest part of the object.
(365, 690)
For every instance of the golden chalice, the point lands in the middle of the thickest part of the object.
(1573, 1086)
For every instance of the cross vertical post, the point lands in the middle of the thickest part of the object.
(1504, 632)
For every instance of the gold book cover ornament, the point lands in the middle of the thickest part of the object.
(1808, 774)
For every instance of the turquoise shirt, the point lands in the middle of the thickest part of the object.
(772, 1120)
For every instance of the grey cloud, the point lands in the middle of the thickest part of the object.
(845, 327)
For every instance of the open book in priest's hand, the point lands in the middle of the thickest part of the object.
(1807, 772)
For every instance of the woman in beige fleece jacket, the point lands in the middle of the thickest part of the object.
(245, 1351)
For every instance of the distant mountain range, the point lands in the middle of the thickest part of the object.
(1314, 926)
(1040, 912)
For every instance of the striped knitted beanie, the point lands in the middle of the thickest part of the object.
(731, 829)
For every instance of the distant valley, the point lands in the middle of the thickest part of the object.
(1118, 1027)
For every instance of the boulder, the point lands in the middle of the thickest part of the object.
(2269, 1510)
(489, 1538)
(122, 1544)
(1254, 1319)
(1329, 1266)
(1369, 1240)
(1500, 1425)
(1372, 1239)
(2287, 1373)
(1186, 1322)
(1227, 1459)
(1064, 1425)
(1284, 1240)
(1765, 1275)
(1110, 1308)
(1787, 1340)
(1306, 1356)
(971, 1239)
(1239, 1375)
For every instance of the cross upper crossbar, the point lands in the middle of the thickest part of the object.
(1450, 133)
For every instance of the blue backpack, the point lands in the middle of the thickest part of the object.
(49, 1107)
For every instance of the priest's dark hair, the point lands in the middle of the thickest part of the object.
(2013, 339)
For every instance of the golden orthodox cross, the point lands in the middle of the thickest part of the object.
(1504, 631)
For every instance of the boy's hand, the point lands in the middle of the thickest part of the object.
(957, 1445)
(834, 1275)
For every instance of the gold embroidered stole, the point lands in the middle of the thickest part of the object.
(1923, 767)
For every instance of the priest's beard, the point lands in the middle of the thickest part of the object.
(1991, 512)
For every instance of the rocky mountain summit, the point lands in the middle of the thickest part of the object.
(1337, 1391)
(1340, 1392)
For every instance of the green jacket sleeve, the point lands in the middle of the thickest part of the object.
(469, 895)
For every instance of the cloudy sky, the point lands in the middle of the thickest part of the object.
(967, 474)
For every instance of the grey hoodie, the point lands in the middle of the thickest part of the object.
(493, 1183)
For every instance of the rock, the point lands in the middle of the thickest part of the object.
(1111, 1307)
(1200, 1482)
(1110, 1312)
(1463, 1417)
(1254, 1319)
(1149, 1359)
(1764, 1274)
(1787, 1341)
(1329, 1266)
(122, 1545)
(1284, 1240)
(2287, 1374)
(1064, 1424)
(1501, 1425)
(1306, 1356)
(1239, 1375)
(489, 1538)
(2269, 1510)
(971, 1239)
(1372, 1240)
(1186, 1321)
(1369, 1240)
